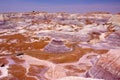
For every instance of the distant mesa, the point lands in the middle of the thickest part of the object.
(57, 46)
(118, 13)
(99, 12)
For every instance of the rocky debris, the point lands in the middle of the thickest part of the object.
(107, 67)
(57, 46)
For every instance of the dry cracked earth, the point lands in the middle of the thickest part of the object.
(59, 46)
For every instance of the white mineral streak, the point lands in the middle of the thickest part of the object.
(55, 73)
(6, 52)
(22, 31)
(2, 40)
(35, 61)
(102, 36)
(4, 71)
(77, 78)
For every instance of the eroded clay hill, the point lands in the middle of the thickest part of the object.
(59, 46)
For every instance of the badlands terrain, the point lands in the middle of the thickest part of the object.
(59, 46)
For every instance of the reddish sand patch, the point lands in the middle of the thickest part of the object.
(17, 60)
(18, 72)
(3, 61)
(38, 71)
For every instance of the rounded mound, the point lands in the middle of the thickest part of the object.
(57, 46)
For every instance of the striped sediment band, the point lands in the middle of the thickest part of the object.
(57, 46)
